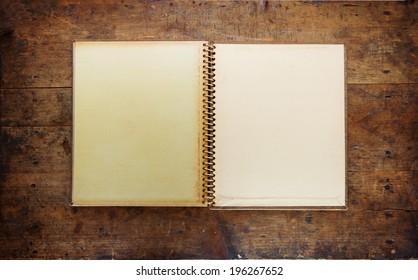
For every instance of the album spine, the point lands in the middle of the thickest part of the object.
(208, 196)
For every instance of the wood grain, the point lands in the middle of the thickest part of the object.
(36, 220)
(382, 122)
(36, 107)
(37, 37)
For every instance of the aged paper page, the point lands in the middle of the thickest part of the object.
(280, 129)
(136, 123)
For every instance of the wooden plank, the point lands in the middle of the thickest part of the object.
(377, 191)
(381, 122)
(348, 234)
(59, 232)
(36, 38)
(366, 190)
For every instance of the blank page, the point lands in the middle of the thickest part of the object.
(280, 125)
(136, 123)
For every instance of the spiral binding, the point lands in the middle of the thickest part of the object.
(209, 124)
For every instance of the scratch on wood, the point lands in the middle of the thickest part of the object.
(137, 213)
(169, 228)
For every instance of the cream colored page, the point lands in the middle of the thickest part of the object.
(280, 129)
(136, 123)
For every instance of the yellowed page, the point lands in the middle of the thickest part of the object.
(136, 123)
(280, 129)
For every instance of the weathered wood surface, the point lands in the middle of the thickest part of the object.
(37, 37)
(36, 220)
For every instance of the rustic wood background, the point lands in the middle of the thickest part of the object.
(36, 221)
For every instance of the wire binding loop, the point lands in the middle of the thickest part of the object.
(209, 124)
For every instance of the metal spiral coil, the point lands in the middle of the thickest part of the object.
(209, 124)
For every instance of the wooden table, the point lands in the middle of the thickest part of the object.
(36, 220)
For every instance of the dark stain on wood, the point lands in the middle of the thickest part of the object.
(227, 235)
(9, 145)
(78, 227)
(389, 188)
(103, 232)
(389, 214)
(66, 146)
(265, 5)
